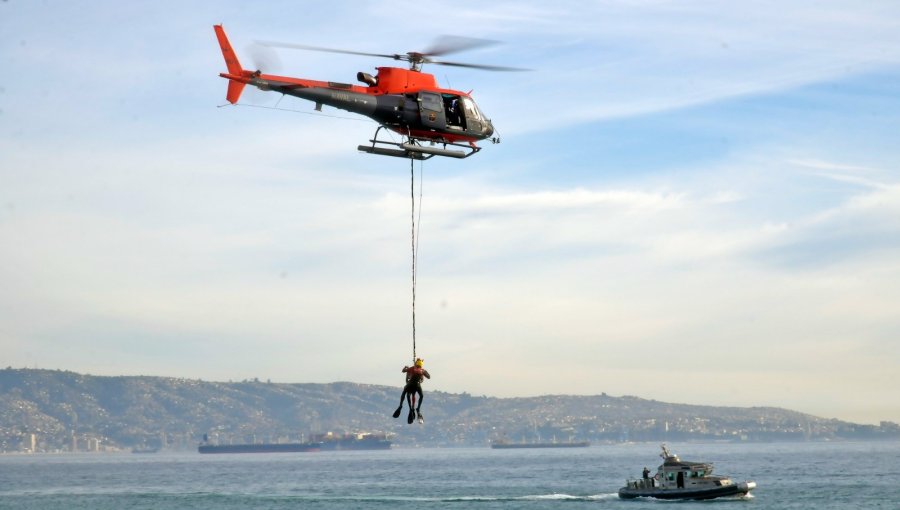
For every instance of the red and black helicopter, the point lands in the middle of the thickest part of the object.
(406, 101)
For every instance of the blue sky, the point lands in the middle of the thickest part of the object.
(692, 201)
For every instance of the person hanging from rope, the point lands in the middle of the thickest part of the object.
(415, 375)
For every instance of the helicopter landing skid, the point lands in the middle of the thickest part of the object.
(412, 148)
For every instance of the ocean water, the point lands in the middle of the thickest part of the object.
(788, 476)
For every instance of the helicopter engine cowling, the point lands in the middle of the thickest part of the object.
(366, 78)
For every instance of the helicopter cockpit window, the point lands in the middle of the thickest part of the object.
(431, 102)
(472, 111)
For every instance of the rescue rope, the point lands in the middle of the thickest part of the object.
(414, 239)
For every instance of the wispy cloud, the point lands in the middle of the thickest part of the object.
(659, 57)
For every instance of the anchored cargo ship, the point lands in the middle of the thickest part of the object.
(504, 445)
(319, 442)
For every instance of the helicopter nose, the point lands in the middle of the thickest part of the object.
(488, 129)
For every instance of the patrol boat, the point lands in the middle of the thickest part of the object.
(679, 479)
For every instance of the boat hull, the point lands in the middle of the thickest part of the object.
(738, 489)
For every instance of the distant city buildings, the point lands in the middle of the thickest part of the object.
(47, 411)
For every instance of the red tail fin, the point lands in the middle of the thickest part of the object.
(234, 91)
(234, 66)
(231, 61)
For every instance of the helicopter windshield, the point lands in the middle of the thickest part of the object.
(472, 111)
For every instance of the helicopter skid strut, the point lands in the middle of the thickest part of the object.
(412, 148)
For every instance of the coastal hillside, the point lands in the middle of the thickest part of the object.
(52, 410)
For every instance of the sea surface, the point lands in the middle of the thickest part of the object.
(788, 476)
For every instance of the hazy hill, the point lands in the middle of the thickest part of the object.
(124, 412)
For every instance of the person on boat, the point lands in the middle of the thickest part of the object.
(646, 474)
(415, 375)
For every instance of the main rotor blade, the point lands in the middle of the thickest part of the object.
(447, 44)
(276, 44)
(443, 45)
(478, 66)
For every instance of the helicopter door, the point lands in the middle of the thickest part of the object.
(453, 110)
(431, 111)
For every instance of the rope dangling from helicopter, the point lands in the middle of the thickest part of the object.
(412, 196)
(416, 373)
(414, 240)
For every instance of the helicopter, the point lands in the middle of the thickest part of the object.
(432, 121)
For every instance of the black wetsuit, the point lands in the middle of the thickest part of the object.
(414, 378)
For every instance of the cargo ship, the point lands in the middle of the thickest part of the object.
(317, 443)
(506, 445)
(144, 449)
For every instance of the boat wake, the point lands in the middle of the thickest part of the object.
(557, 497)
(461, 499)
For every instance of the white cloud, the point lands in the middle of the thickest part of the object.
(658, 57)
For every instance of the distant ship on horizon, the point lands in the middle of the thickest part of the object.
(503, 444)
(318, 443)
